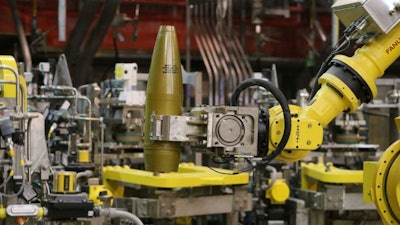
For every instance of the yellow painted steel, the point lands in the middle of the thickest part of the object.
(279, 192)
(306, 134)
(369, 61)
(95, 191)
(119, 71)
(385, 188)
(3, 213)
(349, 102)
(64, 182)
(369, 169)
(327, 173)
(8, 91)
(335, 96)
(325, 106)
(187, 220)
(83, 156)
(393, 187)
(40, 213)
(387, 208)
(188, 175)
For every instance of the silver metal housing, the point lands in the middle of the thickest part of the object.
(383, 14)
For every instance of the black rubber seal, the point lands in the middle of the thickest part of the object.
(352, 79)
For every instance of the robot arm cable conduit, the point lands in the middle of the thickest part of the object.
(282, 101)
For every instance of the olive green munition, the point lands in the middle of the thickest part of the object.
(164, 96)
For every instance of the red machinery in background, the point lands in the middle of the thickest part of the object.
(292, 34)
(288, 32)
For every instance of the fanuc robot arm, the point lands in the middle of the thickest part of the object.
(348, 81)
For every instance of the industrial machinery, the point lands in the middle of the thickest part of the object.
(47, 183)
(284, 132)
(121, 105)
(290, 133)
(69, 189)
(68, 119)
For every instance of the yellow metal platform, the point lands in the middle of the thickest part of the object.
(327, 173)
(188, 175)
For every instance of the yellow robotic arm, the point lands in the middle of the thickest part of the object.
(348, 82)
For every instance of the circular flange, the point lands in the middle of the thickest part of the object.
(229, 130)
(387, 180)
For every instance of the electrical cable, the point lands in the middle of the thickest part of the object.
(116, 58)
(117, 213)
(21, 189)
(215, 170)
(340, 46)
(273, 176)
(11, 173)
(22, 163)
(213, 159)
(7, 179)
(48, 188)
(280, 97)
(250, 168)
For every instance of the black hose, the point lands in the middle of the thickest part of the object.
(340, 46)
(280, 97)
(321, 70)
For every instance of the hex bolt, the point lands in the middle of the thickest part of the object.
(204, 116)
